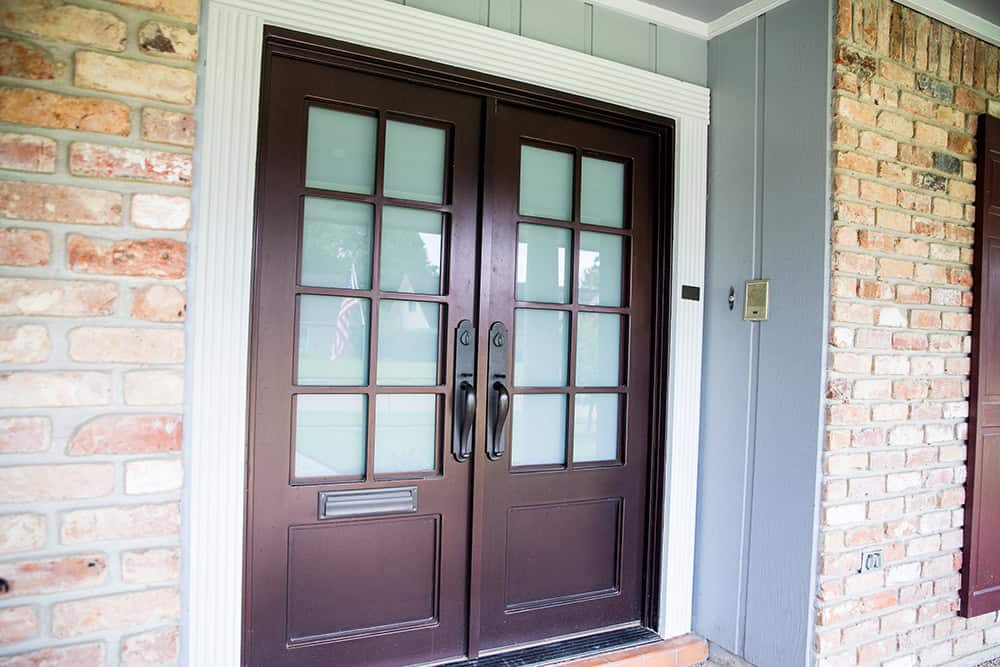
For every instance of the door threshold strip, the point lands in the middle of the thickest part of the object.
(568, 649)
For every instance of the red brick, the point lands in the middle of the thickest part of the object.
(154, 387)
(61, 298)
(22, 60)
(42, 108)
(151, 258)
(127, 434)
(24, 247)
(17, 624)
(55, 482)
(59, 203)
(151, 565)
(24, 344)
(112, 74)
(24, 434)
(182, 9)
(83, 655)
(54, 575)
(120, 523)
(158, 303)
(113, 612)
(27, 152)
(57, 21)
(54, 389)
(126, 345)
(122, 162)
(21, 532)
(157, 647)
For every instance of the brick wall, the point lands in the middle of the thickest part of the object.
(907, 93)
(96, 133)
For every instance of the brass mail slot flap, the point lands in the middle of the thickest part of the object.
(339, 504)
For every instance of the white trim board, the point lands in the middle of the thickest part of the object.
(219, 292)
(941, 10)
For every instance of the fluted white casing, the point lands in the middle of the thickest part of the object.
(219, 293)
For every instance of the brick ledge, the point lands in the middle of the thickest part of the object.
(677, 652)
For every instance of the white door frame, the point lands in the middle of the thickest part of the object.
(219, 315)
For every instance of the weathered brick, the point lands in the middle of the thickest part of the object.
(55, 482)
(24, 344)
(51, 575)
(158, 303)
(112, 74)
(120, 523)
(59, 203)
(55, 20)
(171, 41)
(113, 612)
(82, 655)
(127, 434)
(151, 566)
(161, 211)
(60, 298)
(24, 434)
(21, 60)
(21, 532)
(17, 624)
(154, 388)
(26, 152)
(42, 108)
(157, 647)
(126, 345)
(54, 389)
(122, 162)
(24, 247)
(152, 258)
(182, 9)
(168, 127)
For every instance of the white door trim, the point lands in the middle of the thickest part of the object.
(219, 314)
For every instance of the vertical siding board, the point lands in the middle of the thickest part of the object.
(505, 15)
(621, 38)
(561, 22)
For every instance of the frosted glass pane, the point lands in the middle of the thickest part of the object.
(340, 151)
(598, 349)
(407, 343)
(411, 251)
(600, 269)
(543, 263)
(541, 348)
(602, 192)
(546, 183)
(330, 435)
(405, 432)
(414, 162)
(538, 429)
(336, 244)
(333, 340)
(595, 427)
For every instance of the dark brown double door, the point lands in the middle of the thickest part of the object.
(452, 361)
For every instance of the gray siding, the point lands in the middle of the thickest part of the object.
(763, 383)
(588, 28)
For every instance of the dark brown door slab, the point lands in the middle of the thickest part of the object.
(981, 562)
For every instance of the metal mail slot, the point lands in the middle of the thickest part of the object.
(338, 504)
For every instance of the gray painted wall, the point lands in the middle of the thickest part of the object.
(587, 28)
(763, 382)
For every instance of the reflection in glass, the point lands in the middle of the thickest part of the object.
(340, 151)
(602, 192)
(405, 432)
(336, 244)
(414, 162)
(543, 267)
(330, 435)
(538, 429)
(600, 269)
(407, 343)
(598, 349)
(411, 251)
(541, 348)
(333, 340)
(546, 183)
(595, 427)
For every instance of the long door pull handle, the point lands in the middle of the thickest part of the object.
(503, 409)
(467, 419)
(464, 391)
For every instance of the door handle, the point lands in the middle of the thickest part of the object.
(465, 390)
(499, 396)
(503, 409)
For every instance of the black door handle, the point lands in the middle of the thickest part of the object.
(498, 405)
(503, 409)
(464, 391)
